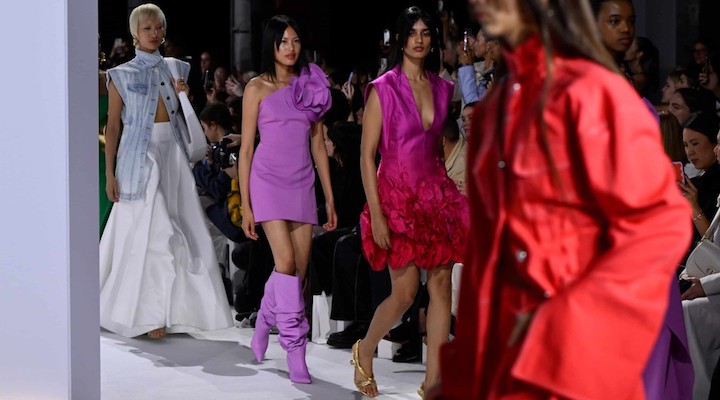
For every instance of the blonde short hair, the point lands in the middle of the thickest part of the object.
(147, 10)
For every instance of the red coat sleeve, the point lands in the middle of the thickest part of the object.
(592, 340)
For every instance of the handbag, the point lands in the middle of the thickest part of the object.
(195, 142)
(705, 257)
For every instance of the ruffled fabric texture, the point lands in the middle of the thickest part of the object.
(310, 93)
(428, 223)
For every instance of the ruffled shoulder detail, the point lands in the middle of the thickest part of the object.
(310, 93)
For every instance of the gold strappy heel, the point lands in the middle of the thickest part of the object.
(369, 380)
(421, 391)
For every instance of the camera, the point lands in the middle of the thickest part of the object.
(222, 155)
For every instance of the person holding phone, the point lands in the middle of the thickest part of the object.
(701, 192)
(708, 78)
(158, 270)
(285, 103)
(702, 322)
(567, 220)
(477, 64)
(415, 217)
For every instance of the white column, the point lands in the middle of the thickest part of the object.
(49, 347)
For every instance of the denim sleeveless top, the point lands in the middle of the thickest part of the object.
(140, 81)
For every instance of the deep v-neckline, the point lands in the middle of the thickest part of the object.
(418, 111)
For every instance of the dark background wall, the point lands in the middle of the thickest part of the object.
(344, 38)
(349, 38)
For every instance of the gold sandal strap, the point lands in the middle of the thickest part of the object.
(356, 363)
(364, 374)
(368, 382)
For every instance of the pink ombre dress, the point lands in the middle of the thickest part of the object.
(281, 175)
(426, 214)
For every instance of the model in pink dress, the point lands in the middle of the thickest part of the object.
(415, 217)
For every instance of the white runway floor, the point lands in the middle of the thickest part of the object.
(219, 365)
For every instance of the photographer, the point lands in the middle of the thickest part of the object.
(213, 175)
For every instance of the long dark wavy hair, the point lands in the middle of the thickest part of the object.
(271, 38)
(404, 25)
(566, 27)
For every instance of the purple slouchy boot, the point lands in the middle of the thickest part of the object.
(265, 319)
(292, 324)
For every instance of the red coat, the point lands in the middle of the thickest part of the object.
(590, 248)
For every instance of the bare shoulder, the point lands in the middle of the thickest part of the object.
(259, 87)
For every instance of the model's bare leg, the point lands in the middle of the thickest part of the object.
(405, 283)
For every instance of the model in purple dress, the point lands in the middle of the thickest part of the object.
(276, 181)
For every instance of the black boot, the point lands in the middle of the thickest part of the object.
(345, 339)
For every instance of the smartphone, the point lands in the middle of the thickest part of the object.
(350, 77)
(440, 5)
(118, 42)
(684, 285)
(207, 80)
(386, 37)
(679, 171)
(465, 40)
(706, 66)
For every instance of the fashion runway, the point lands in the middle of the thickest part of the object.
(219, 365)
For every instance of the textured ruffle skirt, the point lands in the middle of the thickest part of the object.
(427, 219)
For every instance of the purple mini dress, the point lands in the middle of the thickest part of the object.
(281, 175)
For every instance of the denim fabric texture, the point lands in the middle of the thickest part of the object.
(140, 82)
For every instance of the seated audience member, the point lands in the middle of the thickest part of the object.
(688, 101)
(217, 93)
(708, 78)
(214, 174)
(448, 71)
(671, 133)
(342, 142)
(357, 290)
(454, 152)
(703, 49)
(466, 118)
(255, 262)
(672, 138)
(235, 108)
(675, 80)
(700, 140)
(701, 309)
